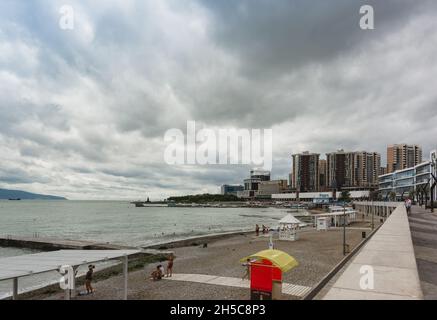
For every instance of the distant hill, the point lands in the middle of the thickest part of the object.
(204, 198)
(17, 194)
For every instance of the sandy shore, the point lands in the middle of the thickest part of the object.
(316, 252)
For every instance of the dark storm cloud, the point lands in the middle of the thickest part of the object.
(274, 37)
(83, 112)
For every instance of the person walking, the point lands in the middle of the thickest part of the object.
(408, 205)
(257, 230)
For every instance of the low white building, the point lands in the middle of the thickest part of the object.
(314, 196)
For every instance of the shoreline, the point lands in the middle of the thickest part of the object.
(51, 244)
(192, 241)
(219, 257)
(38, 290)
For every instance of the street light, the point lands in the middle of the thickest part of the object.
(344, 228)
(433, 185)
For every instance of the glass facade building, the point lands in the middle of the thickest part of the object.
(402, 182)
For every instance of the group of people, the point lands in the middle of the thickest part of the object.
(265, 229)
(159, 273)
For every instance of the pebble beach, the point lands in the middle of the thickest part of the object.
(316, 251)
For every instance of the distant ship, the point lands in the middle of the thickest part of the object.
(17, 199)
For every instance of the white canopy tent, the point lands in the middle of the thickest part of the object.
(30, 264)
(288, 227)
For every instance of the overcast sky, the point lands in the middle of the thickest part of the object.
(83, 112)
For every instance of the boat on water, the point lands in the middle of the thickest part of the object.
(16, 199)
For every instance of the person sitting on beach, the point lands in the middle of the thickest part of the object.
(89, 278)
(161, 268)
(157, 274)
(170, 265)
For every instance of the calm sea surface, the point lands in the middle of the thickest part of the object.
(117, 222)
(121, 223)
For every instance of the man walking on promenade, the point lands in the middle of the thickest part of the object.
(408, 206)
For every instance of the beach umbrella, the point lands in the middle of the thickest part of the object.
(278, 258)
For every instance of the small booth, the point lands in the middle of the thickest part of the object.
(288, 227)
(335, 219)
(266, 268)
(322, 223)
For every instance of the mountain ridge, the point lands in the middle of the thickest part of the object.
(6, 194)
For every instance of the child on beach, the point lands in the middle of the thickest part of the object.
(89, 278)
(170, 265)
(157, 274)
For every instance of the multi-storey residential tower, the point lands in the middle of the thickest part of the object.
(352, 170)
(305, 177)
(403, 156)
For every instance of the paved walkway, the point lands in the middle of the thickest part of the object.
(423, 225)
(390, 255)
(287, 288)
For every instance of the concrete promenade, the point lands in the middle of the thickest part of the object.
(423, 225)
(389, 255)
(287, 288)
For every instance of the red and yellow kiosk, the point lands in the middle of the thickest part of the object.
(266, 268)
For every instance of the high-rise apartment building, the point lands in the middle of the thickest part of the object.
(323, 175)
(352, 170)
(305, 176)
(403, 156)
(366, 169)
(336, 169)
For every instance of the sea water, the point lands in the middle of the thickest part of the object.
(118, 222)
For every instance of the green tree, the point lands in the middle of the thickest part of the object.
(204, 198)
(345, 196)
(374, 196)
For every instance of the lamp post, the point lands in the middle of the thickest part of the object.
(344, 229)
(433, 184)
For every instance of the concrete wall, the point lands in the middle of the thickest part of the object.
(387, 258)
